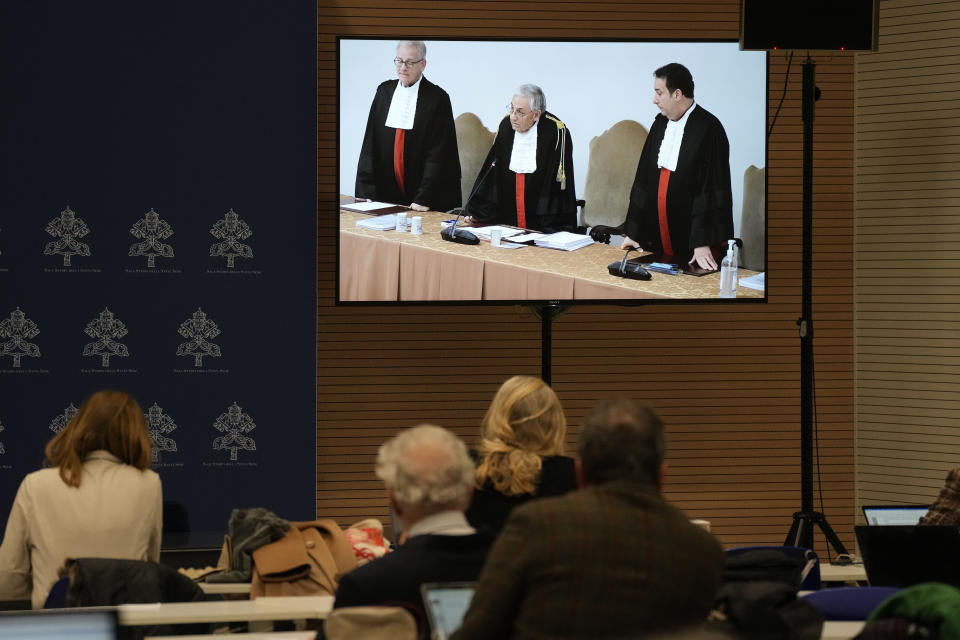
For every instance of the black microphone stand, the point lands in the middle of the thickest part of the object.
(801, 531)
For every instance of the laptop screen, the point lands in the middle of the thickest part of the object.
(446, 603)
(886, 515)
(58, 624)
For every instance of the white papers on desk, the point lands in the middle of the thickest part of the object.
(527, 237)
(383, 223)
(365, 207)
(505, 232)
(757, 282)
(564, 240)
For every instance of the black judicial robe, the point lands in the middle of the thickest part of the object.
(550, 205)
(699, 200)
(430, 158)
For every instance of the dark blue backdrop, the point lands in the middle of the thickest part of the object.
(192, 109)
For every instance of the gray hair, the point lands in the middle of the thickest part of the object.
(535, 93)
(420, 46)
(426, 467)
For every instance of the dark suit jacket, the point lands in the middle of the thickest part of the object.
(610, 561)
(396, 577)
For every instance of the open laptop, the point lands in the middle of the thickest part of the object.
(894, 514)
(446, 603)
(902, 555)
(56, 624)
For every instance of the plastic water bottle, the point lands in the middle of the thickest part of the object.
(728, 272)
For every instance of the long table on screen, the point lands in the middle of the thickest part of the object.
(390, 266)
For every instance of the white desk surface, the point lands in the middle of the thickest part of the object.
(266, 635)
(223, 588)
(838, 573)
(840, 629)
(284, 608)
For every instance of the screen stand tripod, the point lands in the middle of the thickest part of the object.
(801, 531)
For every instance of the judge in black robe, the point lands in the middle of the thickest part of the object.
(698, 202)
(549, 203)
(430, 161)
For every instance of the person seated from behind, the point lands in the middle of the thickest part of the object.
(98, 498)
(946, 509)
(613, 560)
(521, 452)
(429, 478)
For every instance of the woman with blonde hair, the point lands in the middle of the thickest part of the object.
(521, 452)
(97, 498)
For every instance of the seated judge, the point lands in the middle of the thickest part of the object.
(526, 180)
(521, 452)
(409, 152)
(96, 498)
(681, 204)
(429, 478)
(612, 560)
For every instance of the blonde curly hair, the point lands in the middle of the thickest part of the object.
(524, 423)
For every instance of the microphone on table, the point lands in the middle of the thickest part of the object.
(628, 270)
(462, 236)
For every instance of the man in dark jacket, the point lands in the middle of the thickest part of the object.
(429, 478)
(613, 560)
(409, 154)
(527, 178)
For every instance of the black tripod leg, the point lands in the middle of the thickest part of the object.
(830, 534)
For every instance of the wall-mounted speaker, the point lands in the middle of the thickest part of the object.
(831, 25)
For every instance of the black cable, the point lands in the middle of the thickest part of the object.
(786, 77)
(816, 447)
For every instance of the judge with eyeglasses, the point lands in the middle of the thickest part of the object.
(527, 178)
(409, 152)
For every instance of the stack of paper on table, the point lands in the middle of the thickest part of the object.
(383, 223)
(564, 240)
(757, 281)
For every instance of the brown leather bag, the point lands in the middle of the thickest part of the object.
(308, 560)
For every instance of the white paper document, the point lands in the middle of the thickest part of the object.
(565, 241)
(505, 232)
(757, 282)
(382, 223)
(364, 207)
(527, 237)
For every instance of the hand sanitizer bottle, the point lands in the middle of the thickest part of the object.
(728, 272)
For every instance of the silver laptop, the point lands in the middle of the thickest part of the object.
(446, 603)
(57, 624)
(894, 514)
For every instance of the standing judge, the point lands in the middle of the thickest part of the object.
(530, 166)
(681, 204)
(409, 153)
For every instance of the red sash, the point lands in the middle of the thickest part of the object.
(521, 203)
(398, 159)
(662, 211)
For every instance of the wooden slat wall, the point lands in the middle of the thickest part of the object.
(725, 379)
(907, 231)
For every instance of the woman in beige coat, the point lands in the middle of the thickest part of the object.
(97, 498)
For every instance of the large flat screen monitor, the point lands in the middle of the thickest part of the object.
(599, 112)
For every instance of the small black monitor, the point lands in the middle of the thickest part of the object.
(826, 25)
(901, 556)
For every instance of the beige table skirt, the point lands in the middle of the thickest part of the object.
(392, 266)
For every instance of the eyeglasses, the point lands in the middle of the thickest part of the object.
(520, 113)
(407, 63)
